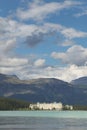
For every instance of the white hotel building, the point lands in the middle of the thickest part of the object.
(47, 106)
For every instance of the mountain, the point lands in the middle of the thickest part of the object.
(8, 77)
(80, 82)
(81, 85)
(41, 90)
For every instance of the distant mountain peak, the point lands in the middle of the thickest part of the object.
(80, 81)
(5, 77)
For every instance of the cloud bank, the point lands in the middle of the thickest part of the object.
(39, 10)
(74, 55)
(31, 27)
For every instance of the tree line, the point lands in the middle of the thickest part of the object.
(13, 104)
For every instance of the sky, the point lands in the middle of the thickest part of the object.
(43, 38)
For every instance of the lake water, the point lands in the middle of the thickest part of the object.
(43, 120)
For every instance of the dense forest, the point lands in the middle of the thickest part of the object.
(79, 107)
(13, 104)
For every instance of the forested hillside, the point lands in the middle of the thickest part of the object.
(12, 104)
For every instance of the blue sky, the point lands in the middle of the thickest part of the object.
(43, 38)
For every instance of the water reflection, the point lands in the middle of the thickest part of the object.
(38, 123)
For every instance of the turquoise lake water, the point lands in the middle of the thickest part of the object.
(43, 120)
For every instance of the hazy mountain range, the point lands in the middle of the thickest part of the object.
(44, 89)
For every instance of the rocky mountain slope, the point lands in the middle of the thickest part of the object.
(41, 90)
(82, 81)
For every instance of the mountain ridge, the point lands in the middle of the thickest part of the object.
(41, 90)
(79, 81)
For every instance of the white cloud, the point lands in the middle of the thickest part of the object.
(72, 33)
(12, 62)
(72, 72)
(24, 70)
(12, 32)
(83, 10)
(74, 55)
(81, 14)
(39, 10)
(64, 73)
(7, 45)
(39, 62)
(68, 43)
(57, 55)
(68, 33)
